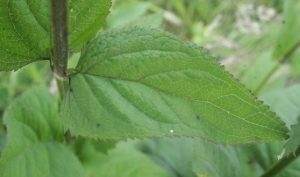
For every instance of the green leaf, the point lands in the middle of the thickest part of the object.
(289, 34)
(218, 160)
(174, 154)
(25, 29)
(33, 131)
(126, 12)
(98, 145)
(103, 146)
(285, 102)
(144, 82)
(294, 141)
(85, 20)
(122, 161)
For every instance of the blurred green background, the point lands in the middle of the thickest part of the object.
(256, 40)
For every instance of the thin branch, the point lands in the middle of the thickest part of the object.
(59, 59)
(274, 69)
(281, 164)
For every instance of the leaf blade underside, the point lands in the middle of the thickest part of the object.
(141, 82)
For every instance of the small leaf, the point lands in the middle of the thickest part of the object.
(122, 161)
(289, 34)
(294, 141)
(25, 29)
(34, 130)
(141, 82)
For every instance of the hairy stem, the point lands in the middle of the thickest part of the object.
(59, 58)
(275, 68)
(281, 164)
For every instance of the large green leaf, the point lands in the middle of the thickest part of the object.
(141, 82)
(25, 29)
(34, 130)
(122, 161)
(289, 34)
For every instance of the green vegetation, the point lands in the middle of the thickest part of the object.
(90, 89)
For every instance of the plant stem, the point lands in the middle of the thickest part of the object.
(281, 164)
(274, 69)
(61, 85)
(59, 60)
(266, 78)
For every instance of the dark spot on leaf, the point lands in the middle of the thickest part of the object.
(283, 22)
(98, 125)
(198, 117)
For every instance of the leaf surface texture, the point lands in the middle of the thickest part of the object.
(141, 82)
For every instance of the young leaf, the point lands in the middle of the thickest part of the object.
(25, 29)
(33, 131)
(122, 161)
(141, 82)
(294, 141)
